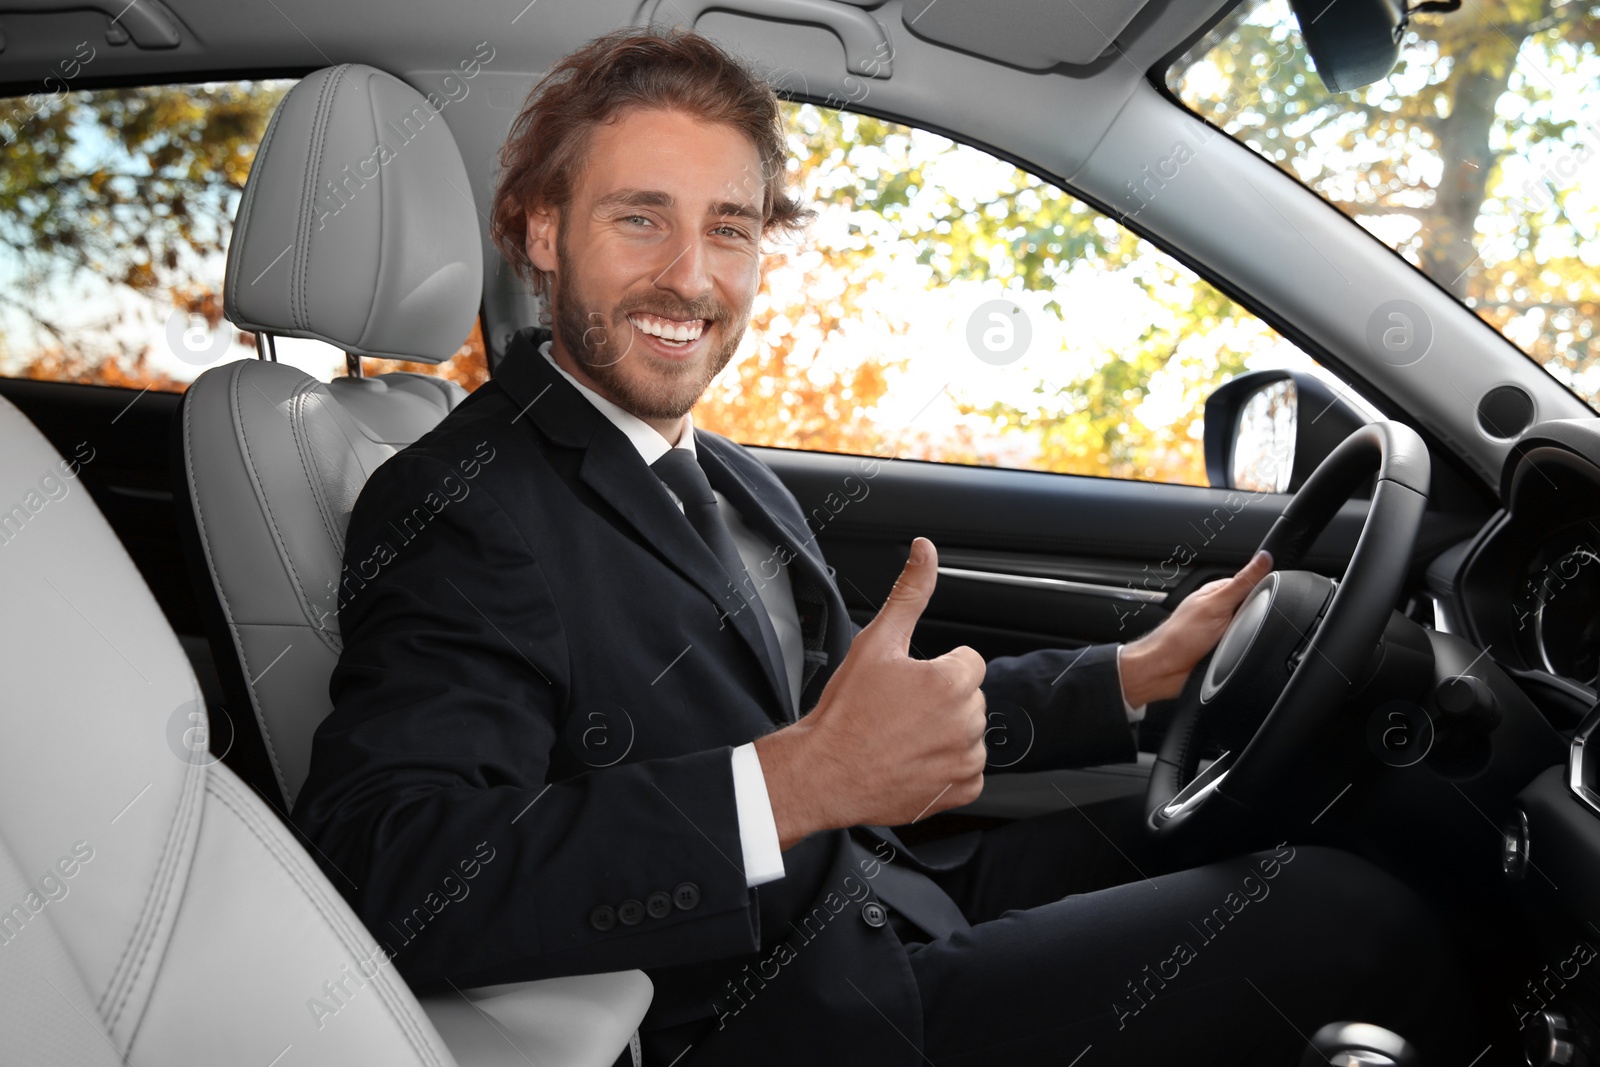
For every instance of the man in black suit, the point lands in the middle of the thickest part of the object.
(600, 705)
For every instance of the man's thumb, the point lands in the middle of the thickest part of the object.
(899, 614)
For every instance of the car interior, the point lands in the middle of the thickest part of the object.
(1416, 682)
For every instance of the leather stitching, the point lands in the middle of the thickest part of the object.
(299, 308)
(266, 510)
(293, 865)
(216, 579)
(230, 300)
(125, 977)
(298, 403)
(302, 441)
(283, 555)
(236, 379)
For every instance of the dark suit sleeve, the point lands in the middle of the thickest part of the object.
(1053, 709)
(1057, 708)
(432, 801)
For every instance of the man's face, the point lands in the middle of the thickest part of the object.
(656, 260)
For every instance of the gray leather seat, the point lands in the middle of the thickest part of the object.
(153, 906)
(153, 910)
(357, 227)
(348, 234)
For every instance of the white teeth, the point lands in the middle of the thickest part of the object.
(667, 329)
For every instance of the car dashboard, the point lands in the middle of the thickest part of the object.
(1526, 590)
(1527, 587)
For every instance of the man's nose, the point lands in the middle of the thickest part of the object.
(685, 274)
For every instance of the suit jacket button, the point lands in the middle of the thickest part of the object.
(874, 914)
(630, 912)
(603, 918)
(658, 905)
(686, 895)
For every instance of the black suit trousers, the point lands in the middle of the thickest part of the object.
(1084, 951)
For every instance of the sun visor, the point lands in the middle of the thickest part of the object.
(1031, 34)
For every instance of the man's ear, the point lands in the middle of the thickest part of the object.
(540, 240)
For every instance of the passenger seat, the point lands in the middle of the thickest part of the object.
(152, 909)
(357, 227)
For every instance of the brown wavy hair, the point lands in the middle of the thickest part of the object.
(633, 68)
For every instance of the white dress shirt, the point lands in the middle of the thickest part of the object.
(758, 830)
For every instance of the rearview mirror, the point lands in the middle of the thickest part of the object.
(1267, 430)
(1351, 42)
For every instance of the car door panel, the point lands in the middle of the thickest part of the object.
(123, 436)
(1030, 559)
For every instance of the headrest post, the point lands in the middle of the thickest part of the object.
(352, 364)
(265, 347)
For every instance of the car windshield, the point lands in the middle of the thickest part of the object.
(1475, 159)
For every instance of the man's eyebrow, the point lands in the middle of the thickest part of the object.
(657, 198)
(635, 198)
(732, 209)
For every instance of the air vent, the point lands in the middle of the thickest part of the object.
(1504, 412)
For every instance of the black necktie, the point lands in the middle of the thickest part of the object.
(682, 473)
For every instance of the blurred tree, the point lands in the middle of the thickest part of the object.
(133, 187)
(124, 200)
(893, 212)
(1422, 158)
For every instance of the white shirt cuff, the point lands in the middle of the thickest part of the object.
(1135, 714)
(758, 830)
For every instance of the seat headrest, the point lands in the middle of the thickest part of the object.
(357, 226)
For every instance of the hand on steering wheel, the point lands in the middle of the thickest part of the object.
(1287, 660)
(1156, 666)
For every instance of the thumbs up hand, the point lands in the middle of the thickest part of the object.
(892, 739)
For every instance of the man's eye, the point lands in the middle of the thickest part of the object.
(643, 220)
(729, 231)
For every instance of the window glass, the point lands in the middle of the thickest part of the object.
(948, 306)
(1475, 159)
(115, 211)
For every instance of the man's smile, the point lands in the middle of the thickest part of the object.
(674, 337)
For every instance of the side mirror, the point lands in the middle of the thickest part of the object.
(1352, 42)
(1267, 430)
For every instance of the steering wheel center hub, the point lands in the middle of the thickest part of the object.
(1241, 634)
(1257, 655)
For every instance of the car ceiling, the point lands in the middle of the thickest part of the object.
(415, 38)
(1090, 124)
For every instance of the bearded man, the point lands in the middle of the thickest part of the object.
(623, 665)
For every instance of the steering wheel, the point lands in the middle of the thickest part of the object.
(1288, 659)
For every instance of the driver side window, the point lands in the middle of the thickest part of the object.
(948, 306)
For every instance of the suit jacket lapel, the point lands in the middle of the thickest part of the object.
(612, 467)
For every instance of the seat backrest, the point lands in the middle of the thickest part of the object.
(356, 227)
(152, 909)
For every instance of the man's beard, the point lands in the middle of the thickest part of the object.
(593, 342)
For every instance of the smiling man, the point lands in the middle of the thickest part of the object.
(684, 769)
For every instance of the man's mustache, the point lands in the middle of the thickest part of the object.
(712, 313)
